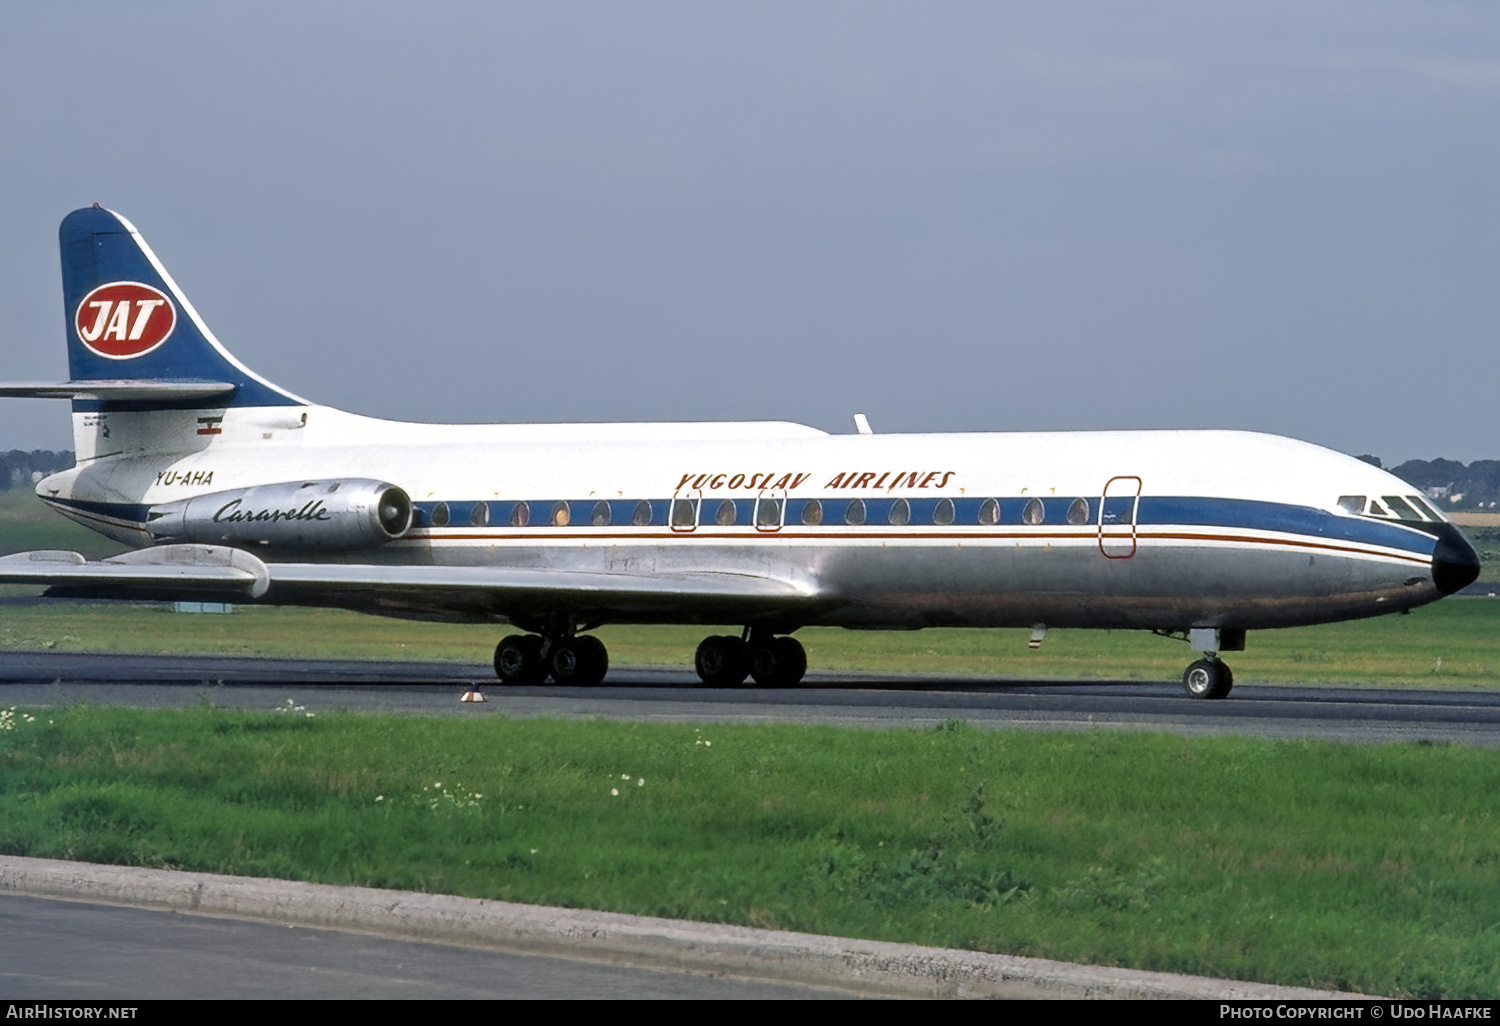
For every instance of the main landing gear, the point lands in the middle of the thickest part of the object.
(724, 661)
(580, 660)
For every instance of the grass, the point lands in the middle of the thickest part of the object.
(1368, 868)
(25, 523)
(1453, 644)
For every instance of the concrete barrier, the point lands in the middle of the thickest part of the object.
(872, 967)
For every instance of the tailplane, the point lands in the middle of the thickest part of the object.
(133, 337)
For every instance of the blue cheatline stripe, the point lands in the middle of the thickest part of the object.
(1153, 512)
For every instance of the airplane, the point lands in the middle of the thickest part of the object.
(231, 488)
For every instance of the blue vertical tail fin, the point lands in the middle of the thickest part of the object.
(128, 320)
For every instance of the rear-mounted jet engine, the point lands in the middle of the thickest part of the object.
(326, 516)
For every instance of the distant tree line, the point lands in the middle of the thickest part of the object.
(1450, 483)
(18, 468)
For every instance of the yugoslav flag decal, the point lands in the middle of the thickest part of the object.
(124, 319)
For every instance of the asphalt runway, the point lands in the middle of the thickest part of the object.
(71, 950)
(1352, 714)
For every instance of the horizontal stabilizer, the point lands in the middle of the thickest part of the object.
(119, 390)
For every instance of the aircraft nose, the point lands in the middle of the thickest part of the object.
(1455, 564)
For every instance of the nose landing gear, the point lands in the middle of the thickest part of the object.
(1208, 678)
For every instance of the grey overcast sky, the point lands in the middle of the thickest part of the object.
(1282, 216)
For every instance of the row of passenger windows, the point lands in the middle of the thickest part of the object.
(682, 514)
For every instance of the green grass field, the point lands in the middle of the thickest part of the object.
(1454, 644)
(1369, 868)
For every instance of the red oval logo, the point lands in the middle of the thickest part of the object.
(124, 319)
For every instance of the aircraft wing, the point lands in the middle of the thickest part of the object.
(460, 592)
(147, 572)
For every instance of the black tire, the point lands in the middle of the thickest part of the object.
(722, 661)
(579, 662)
(1207, 679)
(779, 663)
(518, 660)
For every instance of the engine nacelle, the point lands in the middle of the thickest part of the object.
(338, 516)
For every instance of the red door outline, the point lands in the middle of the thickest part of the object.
(1118, 541)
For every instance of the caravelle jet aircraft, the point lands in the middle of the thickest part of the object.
(232, 488)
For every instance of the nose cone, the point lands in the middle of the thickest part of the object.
(1455, 564)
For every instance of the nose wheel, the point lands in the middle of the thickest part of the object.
(1208, 678)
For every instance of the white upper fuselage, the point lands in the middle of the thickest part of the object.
(1133, 528)
(152, 459)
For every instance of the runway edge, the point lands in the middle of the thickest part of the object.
(874, 967)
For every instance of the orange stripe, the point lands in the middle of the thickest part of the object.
(535, 533)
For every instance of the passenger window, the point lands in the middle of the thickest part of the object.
(989, 513)
(560, 514)
(600, 516)
(479, 515)
(812, 513)
(1078, 512)
(855, 514)
(943, 514)
(1352, 504)
(726, 514)
(1033, 513)
(520, 516)
(768, 513)
(440, 515)
(642, 515)
(683, 514)
(900, 513)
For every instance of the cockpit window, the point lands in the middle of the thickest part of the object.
(1412, 508)
(1426, 507)
(1401, 507)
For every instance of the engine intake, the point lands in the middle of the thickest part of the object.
(339, 516)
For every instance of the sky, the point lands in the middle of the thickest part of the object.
(1276, 216)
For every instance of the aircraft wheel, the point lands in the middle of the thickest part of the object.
(1208, 678)
(779, 663)
(579, 662)
(722, 661)
(518, 660)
